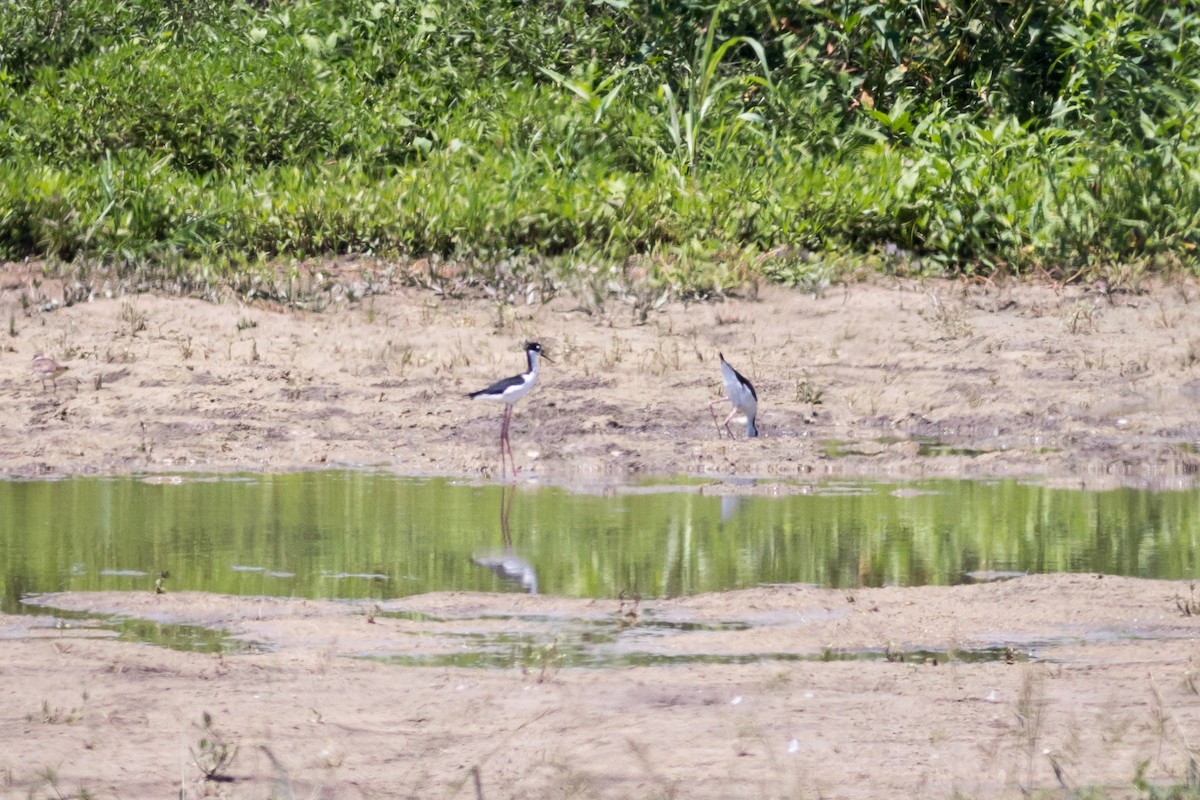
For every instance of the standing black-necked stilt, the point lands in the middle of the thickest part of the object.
(509, 391)
(46, 367)
(741, 394)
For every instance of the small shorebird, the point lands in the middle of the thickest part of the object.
(509, 391)
(46, 367)
(741, 394)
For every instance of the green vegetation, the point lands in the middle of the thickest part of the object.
(670, 142)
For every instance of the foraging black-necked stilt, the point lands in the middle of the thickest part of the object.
(46, 367)
(741, 394)
(509, 391)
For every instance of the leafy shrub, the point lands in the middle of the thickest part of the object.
(971, 135)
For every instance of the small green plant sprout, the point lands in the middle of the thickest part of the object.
(627, 611)
(1030, 714)
(1081, 317)
(55, 715)
(643, 298)
(49, 776)
(132, 317)
(951, 321)
(808, 393)
(147, 446)
(396, 358)
(1188, 606)
(214, 753)
(547, 659)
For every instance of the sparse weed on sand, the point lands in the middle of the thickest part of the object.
(1188, 606)
(50, 787)
(214, 753)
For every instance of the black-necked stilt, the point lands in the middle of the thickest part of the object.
(46, 367)
(741, 394)
(509, 391)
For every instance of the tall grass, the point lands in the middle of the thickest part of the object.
(972, 135)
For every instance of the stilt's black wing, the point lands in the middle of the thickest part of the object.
(498, 388)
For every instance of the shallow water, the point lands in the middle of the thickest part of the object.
(373, 535)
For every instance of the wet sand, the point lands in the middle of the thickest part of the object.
(891, 379)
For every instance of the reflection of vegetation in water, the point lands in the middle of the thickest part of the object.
(542, 654)
(173, 635)
(188, 638)
(932, 447)
(363, 535)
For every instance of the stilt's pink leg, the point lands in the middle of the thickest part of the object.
(505, 442)
(732, 414)
(714, 415)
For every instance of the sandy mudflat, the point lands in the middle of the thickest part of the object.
(1066, 385)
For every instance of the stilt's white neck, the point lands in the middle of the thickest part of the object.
(532, 355)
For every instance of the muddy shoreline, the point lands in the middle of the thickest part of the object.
(890, 379)
(1071, 386)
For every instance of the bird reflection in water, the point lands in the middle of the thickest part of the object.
(732, 503)
(508, 566)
